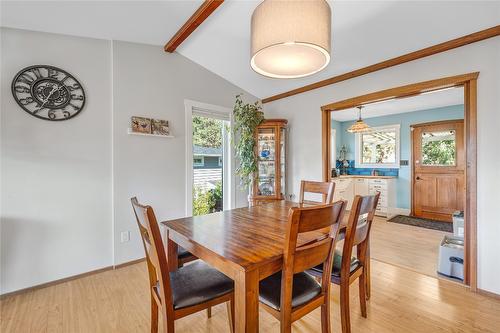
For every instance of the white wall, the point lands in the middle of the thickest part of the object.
(66, 186)
(152, 83)
(303, 112)
(56, 176)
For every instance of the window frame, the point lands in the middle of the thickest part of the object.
(358, 151)
(199, 164)
(421, 157)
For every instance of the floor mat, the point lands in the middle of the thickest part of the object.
(423, 223)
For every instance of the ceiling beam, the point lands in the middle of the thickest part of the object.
(442, 47)
(201, 14)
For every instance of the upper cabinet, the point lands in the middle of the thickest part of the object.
(271, 150)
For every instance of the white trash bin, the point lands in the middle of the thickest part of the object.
(458, 224)
(451, 257)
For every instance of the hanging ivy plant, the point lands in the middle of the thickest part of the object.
(246, 118)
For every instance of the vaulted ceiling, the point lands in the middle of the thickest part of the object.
(363, 32)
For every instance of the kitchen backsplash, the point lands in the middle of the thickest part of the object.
(351, 170)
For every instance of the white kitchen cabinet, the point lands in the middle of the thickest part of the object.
(347, 187)
(361, 186)
(387, 190)
(344, 190)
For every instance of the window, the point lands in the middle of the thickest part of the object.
(220, 160)
(378, 148)
(198, 161)
(439, 148)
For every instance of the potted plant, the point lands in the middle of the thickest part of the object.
(246, 118)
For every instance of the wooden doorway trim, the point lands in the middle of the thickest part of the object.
(469, 83)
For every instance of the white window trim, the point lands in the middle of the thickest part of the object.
(358, 159)
(228, 167)
(202, 160)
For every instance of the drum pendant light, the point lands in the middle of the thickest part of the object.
(290, 38)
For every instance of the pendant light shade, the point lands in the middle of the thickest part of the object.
(290, 38)
(359, 126)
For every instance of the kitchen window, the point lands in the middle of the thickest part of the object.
(378, 148)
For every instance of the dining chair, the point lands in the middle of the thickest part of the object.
(326, 189)
(346, 268)
(292, 293)
(184, 256)
(187, 290)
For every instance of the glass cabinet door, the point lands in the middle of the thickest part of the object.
(266, 161)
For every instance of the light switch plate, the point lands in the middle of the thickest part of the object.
(125, 236)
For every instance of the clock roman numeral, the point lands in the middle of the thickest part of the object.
(73, 87)
(22, 89)
(52, 73)
(27, 100)
(25, 78)
(37, 73)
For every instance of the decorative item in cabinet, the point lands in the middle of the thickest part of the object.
(270, 180)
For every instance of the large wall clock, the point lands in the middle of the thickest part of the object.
(48, 92)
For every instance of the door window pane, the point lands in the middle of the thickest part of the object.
(439, 148)
(378, 147)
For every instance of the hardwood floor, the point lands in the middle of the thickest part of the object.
(406, 246)
(117, 301)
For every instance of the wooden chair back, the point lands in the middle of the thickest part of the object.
(156, 258)
(326, 189)
(323, 219)
(358, 229)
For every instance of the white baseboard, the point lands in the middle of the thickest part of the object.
(393, 211)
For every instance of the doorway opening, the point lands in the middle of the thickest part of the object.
(209, 174)
(389, 151)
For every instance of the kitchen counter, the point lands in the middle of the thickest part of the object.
(366, 176)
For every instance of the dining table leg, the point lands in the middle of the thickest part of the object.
(171, 249)
(246, 294)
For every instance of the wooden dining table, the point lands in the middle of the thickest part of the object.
(246, 244)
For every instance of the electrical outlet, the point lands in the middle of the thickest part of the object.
(125, 236)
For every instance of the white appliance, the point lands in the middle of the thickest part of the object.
(451, 257)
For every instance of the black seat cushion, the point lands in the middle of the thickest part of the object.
(183, 253)
(305, 288)
(337, 264)
(198, 283)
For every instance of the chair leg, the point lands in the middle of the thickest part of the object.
(154, 316)
(286, 322)
(168, 324)
(344, 307)
(230, 314)
(362, 294)
(367, 272)
(209, 312)
(325, 316)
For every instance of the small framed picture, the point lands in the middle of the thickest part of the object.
(159, 127)
(141, 125)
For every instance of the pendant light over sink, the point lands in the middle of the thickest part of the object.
(290, 38)
(359, 126)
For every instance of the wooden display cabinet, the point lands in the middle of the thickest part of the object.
(271, 147)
